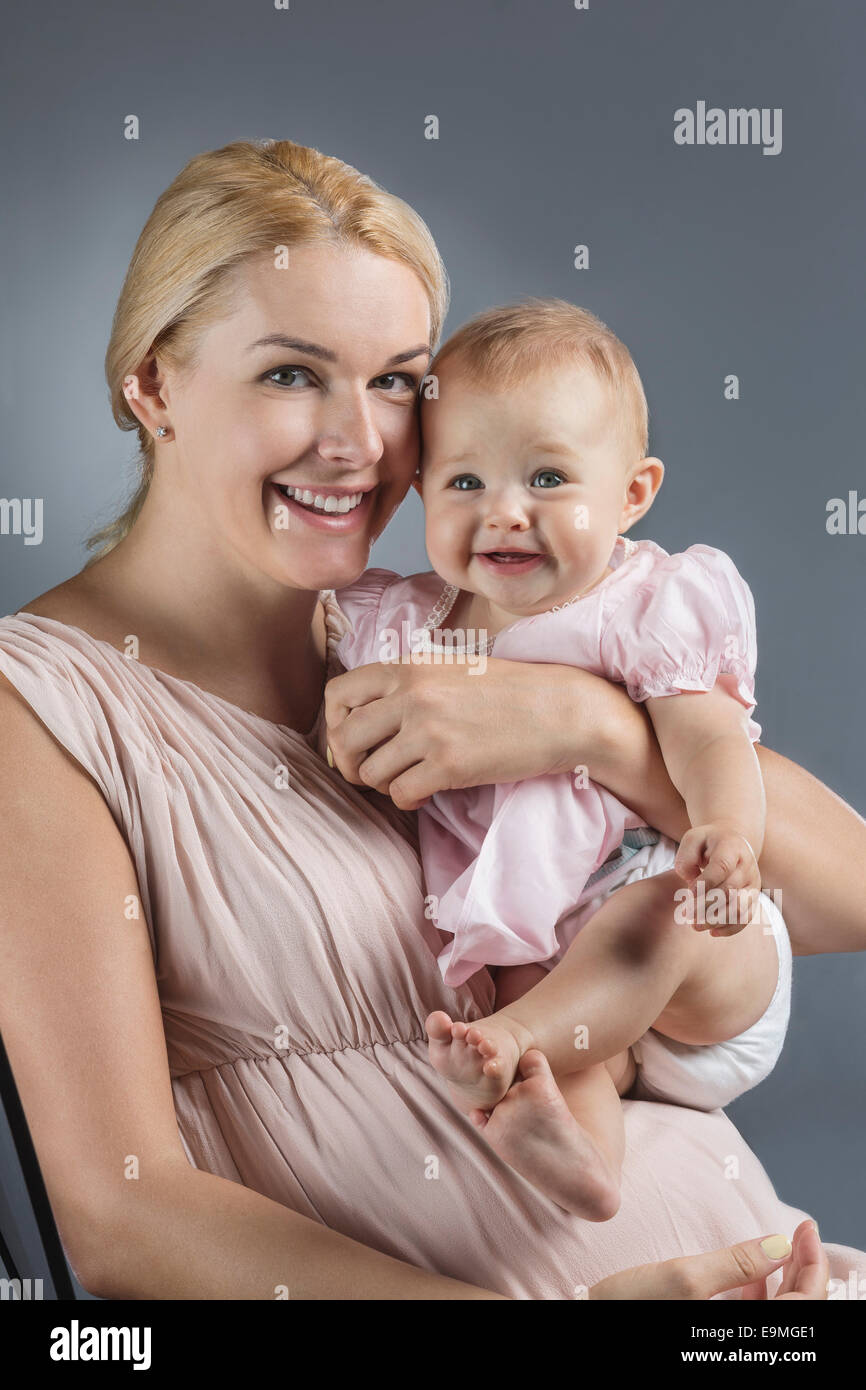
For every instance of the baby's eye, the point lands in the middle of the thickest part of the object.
(466, 482)
(548, 477)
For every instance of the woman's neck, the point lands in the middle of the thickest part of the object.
(195, 615)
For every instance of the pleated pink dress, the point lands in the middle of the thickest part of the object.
(296, 967)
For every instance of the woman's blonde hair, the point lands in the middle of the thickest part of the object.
(224, 207)
(500, 347)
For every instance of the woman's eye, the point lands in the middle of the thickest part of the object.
(392, 382)
(403, 378)
(548, 477)
(288, 371)
(466, 482)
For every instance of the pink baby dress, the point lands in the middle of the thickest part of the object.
(506, 864)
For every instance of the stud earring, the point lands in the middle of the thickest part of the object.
(161, 432)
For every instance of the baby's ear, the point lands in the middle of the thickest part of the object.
(644, 483)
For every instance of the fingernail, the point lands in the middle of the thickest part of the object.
(817, 1232)
(776, 1247)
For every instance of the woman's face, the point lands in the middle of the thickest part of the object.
(261, 430)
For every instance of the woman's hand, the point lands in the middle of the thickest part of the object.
(411, 730)
(745, 1266)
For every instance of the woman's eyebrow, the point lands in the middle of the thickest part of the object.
(424, 350)
(326, 354)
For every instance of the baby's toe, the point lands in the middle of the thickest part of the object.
(534, 1063)
(438, 1027)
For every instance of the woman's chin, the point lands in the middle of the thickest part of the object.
(326, 571)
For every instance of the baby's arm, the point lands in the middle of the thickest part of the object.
(712, 762)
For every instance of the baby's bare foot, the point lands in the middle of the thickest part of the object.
(534, 1131)
(478, 1060)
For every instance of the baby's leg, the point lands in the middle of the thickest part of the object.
(477, 1075)
(633, 966)
(512, 982)
(592, 1095)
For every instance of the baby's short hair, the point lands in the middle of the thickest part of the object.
(500, 346)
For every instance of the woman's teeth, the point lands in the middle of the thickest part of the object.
(321, 502)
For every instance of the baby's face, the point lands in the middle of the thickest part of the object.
(524, 490)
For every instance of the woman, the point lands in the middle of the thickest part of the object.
(226, 939)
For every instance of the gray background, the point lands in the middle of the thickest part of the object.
(556, 129)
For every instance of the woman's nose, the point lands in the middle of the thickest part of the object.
(349, 432)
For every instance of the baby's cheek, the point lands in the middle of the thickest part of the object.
(588, 536)
(447, 542)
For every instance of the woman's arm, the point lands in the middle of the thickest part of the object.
(412, 730)
(81, 1021)
(815, 856)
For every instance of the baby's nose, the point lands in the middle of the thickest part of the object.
(507, 512)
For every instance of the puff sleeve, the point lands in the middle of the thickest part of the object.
(357, 624)
(688, 626)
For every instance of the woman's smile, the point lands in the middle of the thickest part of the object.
(323, 501)
(327, 509)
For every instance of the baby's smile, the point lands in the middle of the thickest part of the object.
(510, 562)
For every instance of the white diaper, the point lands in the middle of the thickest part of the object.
(703, 1077)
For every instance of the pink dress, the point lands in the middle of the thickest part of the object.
(295, 968)
(506, 865)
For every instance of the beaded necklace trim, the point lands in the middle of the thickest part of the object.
(451, 592)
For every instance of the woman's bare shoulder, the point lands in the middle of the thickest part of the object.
(26, 743)
(66, 602)
(22, 729)
(79, 602)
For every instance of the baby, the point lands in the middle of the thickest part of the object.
(534, 465)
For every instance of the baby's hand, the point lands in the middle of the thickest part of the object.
(720, 858)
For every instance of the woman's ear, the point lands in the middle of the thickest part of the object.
(642, 484)
(143, 391)
(416, 483)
